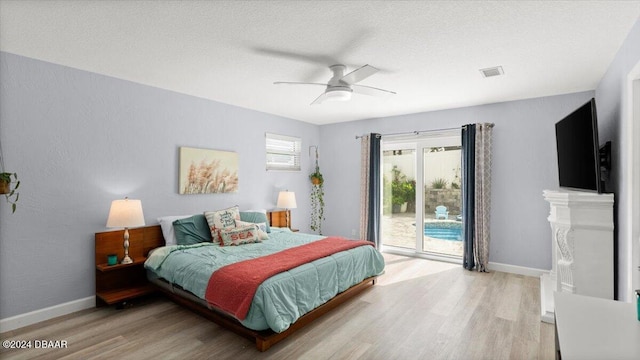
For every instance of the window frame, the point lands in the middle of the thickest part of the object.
(273, 150)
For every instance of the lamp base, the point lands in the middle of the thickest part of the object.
(126, 259)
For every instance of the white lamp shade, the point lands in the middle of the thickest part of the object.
(287, 200)
(125, 213)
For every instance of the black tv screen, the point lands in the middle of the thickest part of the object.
(578, 149)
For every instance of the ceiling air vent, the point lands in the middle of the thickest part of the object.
(492, 71)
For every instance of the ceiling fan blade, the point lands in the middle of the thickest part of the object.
(296, 83)
(320, 99)
(359, 74)
(311, 58)
(372, 91)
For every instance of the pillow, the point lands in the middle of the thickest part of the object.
(256, 216)
(192, 230)
(261, 228)
(239, 235)
(222, 219)
(166, 224)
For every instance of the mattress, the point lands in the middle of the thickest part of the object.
(281, 299)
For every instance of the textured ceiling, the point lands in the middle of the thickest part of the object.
(233, 51)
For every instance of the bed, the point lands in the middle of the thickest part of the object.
(281, 304)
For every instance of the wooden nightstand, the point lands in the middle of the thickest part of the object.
(278, 218)
(116, 284)
(121, 282)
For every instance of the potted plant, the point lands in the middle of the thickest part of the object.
(402, 191)
(8, 188)
(316, 177)
(397, 202)
(317, 198)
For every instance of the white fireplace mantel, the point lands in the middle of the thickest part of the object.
(582, 249)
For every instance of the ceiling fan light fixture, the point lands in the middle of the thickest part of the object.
(338, 94)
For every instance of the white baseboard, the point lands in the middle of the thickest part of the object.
(514, 269)
(30, 318)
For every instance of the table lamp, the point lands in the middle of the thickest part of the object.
(125, 214)
(287, 200)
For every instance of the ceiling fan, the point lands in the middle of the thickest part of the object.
(340, 86)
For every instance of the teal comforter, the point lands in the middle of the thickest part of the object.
(281, 299)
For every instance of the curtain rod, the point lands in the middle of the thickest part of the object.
(418, 132)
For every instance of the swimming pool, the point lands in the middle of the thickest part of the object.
(444, 230)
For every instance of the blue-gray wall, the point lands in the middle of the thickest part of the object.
(79, 140)
(524, 164)
(612, 125)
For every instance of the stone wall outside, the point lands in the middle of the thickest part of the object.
(451, 198)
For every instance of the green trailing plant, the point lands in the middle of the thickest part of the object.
(317, 198)
(317, 207)
(439, 183)
(10, 182)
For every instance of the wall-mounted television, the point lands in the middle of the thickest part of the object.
(579, 156)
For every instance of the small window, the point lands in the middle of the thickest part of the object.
(283, 152)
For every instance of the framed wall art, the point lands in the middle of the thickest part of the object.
(206, 171)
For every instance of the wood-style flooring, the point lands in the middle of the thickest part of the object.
(419, 309)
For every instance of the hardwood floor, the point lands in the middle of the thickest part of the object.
(419, 309)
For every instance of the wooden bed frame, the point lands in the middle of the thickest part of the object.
(145, 239)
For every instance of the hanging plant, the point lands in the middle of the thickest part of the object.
(317, 198)
(8, 188)
(316, 177)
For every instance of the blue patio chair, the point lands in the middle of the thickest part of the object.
(441, 212)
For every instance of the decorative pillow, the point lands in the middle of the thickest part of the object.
(166, 224)
(239, 235)
(261, 228)
(222, 219)
(256, 216)
(192, 230)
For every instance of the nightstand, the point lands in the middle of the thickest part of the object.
(121, 282)
(278, 218)
(116, 284)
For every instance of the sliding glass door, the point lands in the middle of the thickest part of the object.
(442, 198)
(398, 199)
(421, 194)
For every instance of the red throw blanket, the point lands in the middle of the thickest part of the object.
(232, 287)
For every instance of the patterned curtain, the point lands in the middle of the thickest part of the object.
(483, 195)
(370, 200)
(476, 148)
(364, 186)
